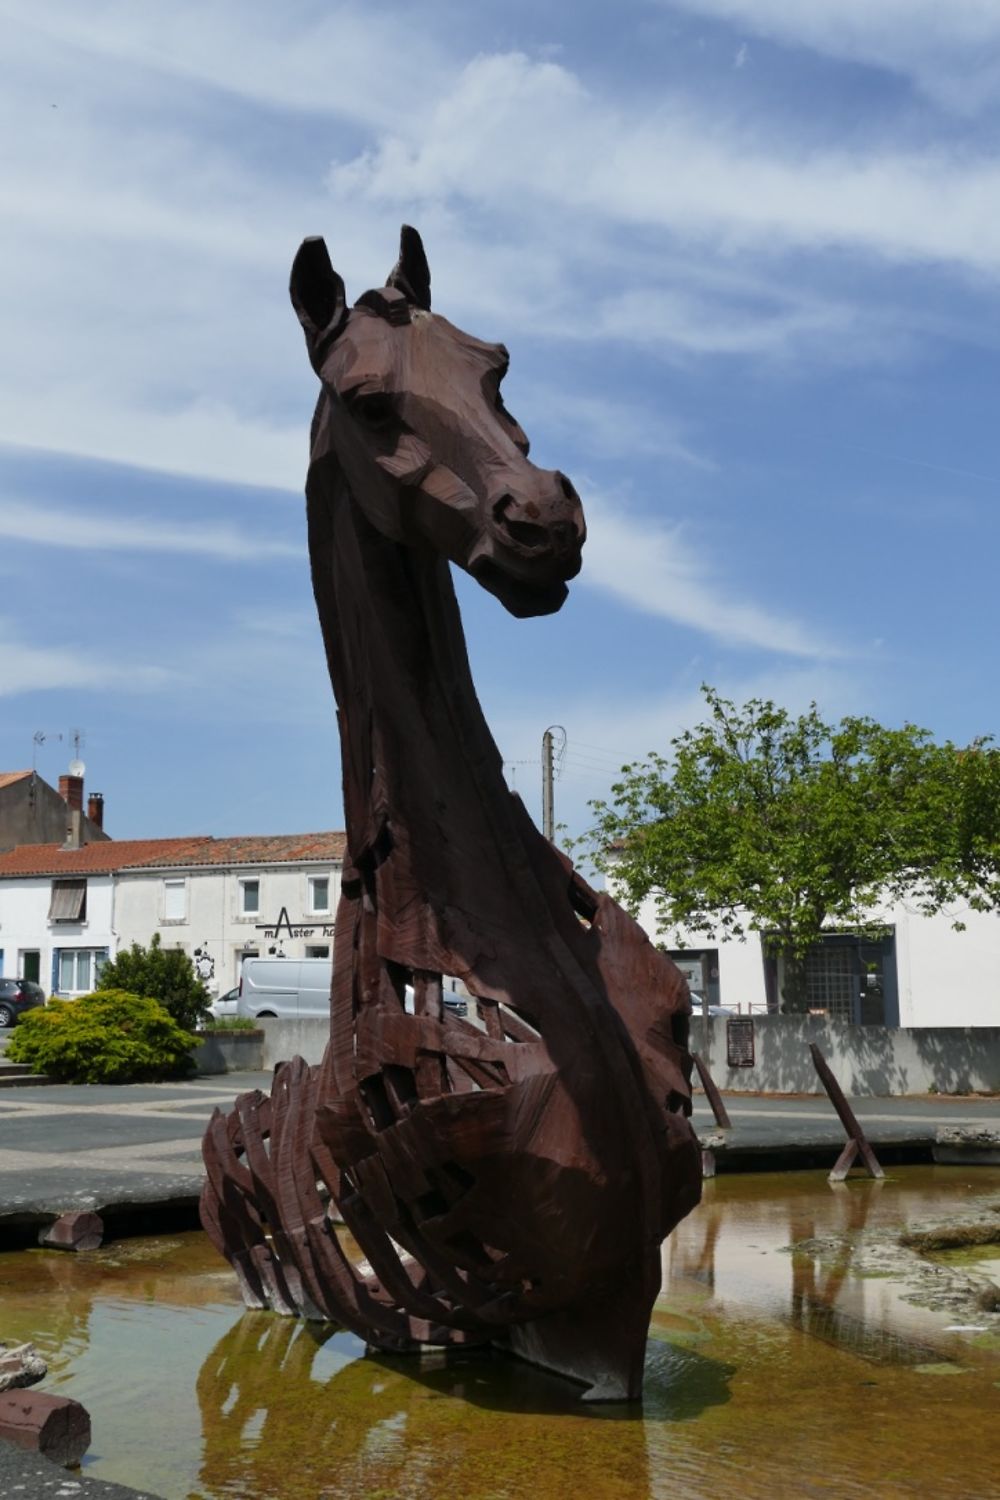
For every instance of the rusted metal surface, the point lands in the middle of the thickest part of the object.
(509, 1184)
(712, 1093)
(79, 1230)
(857, 1143)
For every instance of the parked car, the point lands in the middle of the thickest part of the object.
(698, 1006)
(17, 996)
(292, 988)
(296, 988)
(224, 1005)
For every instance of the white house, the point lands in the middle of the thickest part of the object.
(920, 972)
(64, 911)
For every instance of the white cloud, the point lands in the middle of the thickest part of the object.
(514, 130)
(78, 530)
(205, 439)
(648, 565)
(30, 668)
(948, 47)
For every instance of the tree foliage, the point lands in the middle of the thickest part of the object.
(761, 821)
(106, 1037)
(164, 974)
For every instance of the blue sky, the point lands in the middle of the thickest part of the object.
(746, 257)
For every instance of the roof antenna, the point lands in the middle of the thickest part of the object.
(38, 739)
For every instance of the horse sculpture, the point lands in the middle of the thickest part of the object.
(509, 1183)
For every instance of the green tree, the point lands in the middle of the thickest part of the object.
(164, 974)
(761, 821)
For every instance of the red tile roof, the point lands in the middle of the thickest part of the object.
(136, 854)
(7, 777)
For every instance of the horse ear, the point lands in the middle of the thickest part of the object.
(317, 292)
(411, 274)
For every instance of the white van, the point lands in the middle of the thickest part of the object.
(285, 987)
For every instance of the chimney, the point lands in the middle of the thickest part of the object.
(74, 829)
(71, 791)
(95, 808)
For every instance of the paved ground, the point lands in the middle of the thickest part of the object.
(26, 1476)
(107, 1147)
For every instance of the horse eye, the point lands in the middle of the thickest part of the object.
(375, 412)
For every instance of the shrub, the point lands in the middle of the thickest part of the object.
(164, 974)
(110, 1036)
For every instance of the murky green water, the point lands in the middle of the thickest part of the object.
(769, 1374)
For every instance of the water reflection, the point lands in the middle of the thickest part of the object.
(771, 1374)
(396, 1426)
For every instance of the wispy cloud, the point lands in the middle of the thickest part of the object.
(950, 50)
(607, 427)
(89, 532)
(28, 668)
(650, 566)
(512, 127)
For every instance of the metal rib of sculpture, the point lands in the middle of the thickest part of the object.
(509, 1184)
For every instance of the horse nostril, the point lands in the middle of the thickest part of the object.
(567, 489)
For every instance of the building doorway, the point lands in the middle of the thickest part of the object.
(29, 964)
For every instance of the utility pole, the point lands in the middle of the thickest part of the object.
(548, 777)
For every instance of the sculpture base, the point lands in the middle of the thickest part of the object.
(602, 1348)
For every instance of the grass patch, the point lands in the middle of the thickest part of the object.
(231, 1023)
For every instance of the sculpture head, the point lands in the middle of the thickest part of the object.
(414, 417)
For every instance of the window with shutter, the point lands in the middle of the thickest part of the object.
(69, 901)
(174, 900)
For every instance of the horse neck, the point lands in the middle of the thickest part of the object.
(418, 757)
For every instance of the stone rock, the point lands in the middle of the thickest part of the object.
(967, 1145)
(20, 1365)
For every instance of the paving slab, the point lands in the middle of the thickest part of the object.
(28, 1476)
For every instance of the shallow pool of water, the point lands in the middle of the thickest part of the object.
(769, 1373)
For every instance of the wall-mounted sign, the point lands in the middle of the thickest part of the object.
(204, 967)
(301, 929)
(739, 1042)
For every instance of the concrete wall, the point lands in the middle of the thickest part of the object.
(284, 1040)
(32, 812)
(866, 1060)
(213, 920)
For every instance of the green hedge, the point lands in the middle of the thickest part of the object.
(111, 1036)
